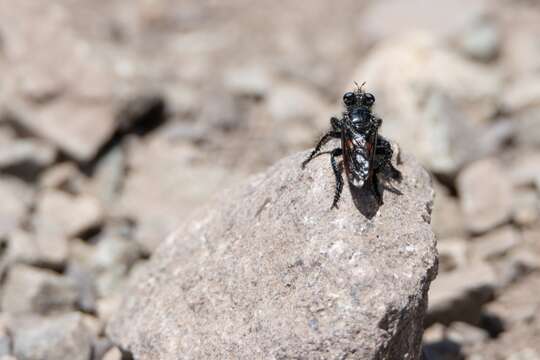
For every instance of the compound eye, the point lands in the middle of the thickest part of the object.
(349, 98)
(368, 99)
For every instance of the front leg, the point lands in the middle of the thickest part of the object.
(337, 125)
(337, 173)
(326, 137)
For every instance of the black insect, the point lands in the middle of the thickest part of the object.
(366, 154)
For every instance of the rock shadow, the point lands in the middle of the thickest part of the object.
(442, 349)
(365, 198)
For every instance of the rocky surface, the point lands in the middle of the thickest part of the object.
(270, 271)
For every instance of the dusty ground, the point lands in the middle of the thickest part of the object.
(118, 118)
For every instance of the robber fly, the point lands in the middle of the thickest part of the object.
(365, 153)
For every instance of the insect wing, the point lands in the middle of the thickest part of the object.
(372, 147)
(358, 151)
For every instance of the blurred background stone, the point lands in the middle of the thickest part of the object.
(459, 295)
(33, 290)
(495, 244)
(60, 337)
(26, 158)
(60, 216)
(482, 40)
(453, 253)
(447, 218)
(486, 195)
(16, 201)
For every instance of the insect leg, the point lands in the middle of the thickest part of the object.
(326, 137)
(377, 121)
(383, 152)
(383, 158)
(337, 173)
(336, 124)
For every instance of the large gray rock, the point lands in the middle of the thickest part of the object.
(268, 271)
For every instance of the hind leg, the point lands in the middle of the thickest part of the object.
(334, 133)
(337, 173)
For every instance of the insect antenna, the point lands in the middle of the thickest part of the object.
(359, 87)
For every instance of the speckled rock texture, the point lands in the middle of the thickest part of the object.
(268, 271)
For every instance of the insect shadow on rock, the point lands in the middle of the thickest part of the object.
(366, 154)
